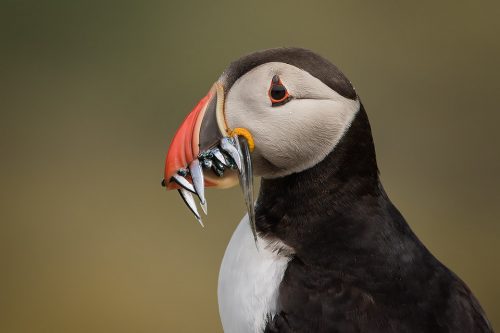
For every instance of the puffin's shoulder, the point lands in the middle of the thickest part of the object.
(464, 313)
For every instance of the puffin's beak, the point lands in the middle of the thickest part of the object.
(205, 152)
(202, 129)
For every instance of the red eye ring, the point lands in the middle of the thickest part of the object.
(278, 94)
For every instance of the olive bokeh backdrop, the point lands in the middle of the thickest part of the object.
(93, 91)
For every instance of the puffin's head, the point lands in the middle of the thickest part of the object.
(280, 110)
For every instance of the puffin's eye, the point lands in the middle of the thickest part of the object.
(277, 92)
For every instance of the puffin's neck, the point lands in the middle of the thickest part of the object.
(335, 208)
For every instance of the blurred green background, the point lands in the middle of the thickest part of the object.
(92, 92)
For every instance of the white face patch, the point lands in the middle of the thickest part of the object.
(297, 135)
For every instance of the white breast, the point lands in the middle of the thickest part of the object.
(248, 282)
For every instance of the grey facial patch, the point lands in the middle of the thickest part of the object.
(297, 135)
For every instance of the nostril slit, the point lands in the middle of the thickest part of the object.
(163, 183)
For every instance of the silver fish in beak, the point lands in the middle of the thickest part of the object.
(205, 152)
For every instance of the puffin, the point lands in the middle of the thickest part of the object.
(322, 248)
